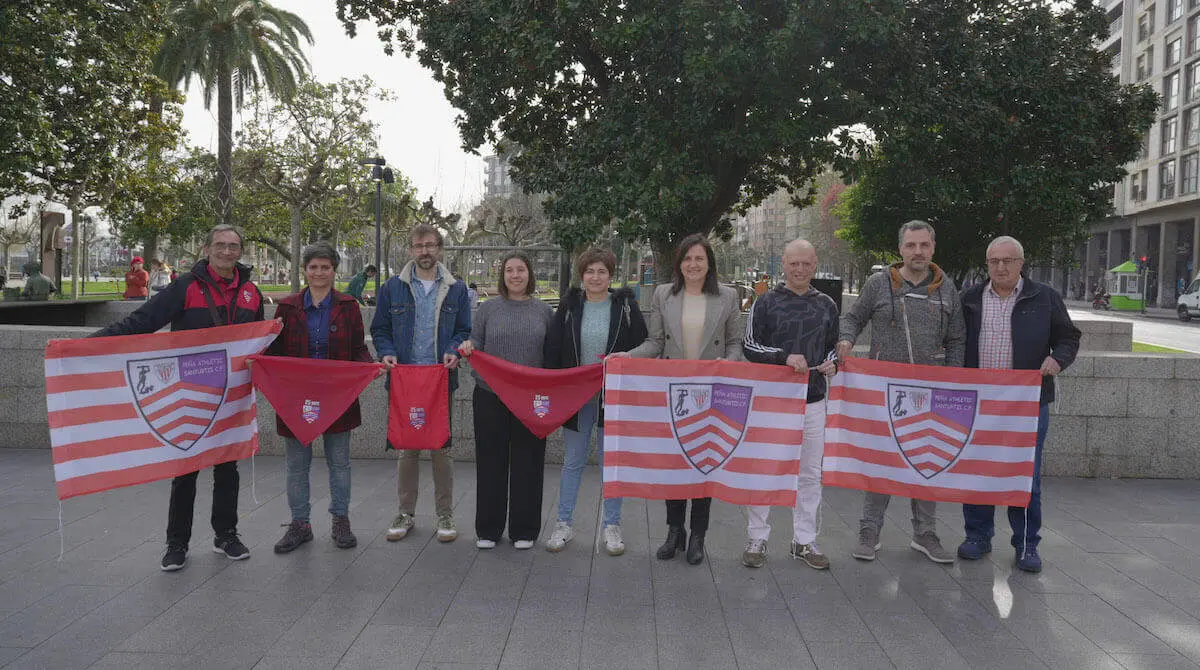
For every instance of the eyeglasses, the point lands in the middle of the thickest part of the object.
(226, 246)
(997, 262)
(428, 246)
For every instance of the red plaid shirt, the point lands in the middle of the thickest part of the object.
(995, 333)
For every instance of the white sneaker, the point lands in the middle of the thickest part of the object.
(523, 544)
(613, 543)
(481, 543)
(560, 537)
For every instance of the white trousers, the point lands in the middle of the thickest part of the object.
(808, 485)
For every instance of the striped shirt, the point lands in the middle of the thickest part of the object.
(995, 333)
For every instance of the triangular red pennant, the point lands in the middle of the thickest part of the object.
(542, 399)
(310, 394)
(419, 407)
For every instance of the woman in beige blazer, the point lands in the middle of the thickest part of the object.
(692, 318)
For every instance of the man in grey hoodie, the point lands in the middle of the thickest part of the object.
(913, 310)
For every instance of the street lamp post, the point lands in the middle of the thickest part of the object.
(380, 175)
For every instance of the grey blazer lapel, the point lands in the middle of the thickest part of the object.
(673, 319)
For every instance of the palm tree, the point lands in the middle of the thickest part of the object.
(232, 46)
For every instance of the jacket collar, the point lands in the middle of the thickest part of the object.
(935, 281)
(297, 299)
(444, 276)
(241, 272)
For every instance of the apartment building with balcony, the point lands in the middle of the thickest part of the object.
(1157, 205)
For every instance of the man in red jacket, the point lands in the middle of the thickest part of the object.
(137, 280)
(217, 292)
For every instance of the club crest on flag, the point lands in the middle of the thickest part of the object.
(310, 411)
(709, 421)
(931, 425)
(179, 395)
(416, 417)
(541, 405)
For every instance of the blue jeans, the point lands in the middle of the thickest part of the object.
(299, 461)
(980, 520)
(578, 443)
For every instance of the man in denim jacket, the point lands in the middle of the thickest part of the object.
(422, 316)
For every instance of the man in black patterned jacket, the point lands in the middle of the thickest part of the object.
(796, 325)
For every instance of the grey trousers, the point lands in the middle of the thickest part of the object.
(876, 504)
(443, 480)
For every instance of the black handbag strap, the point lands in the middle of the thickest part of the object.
(218, 319)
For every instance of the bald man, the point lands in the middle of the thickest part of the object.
(796, 325)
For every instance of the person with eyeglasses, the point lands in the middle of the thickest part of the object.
(216, 292)
(1015, 323)
(422, 317)
(913, 310)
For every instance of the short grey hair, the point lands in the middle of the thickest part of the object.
(320, 249)
(220, 228)
(1005, 239)
(915, 224)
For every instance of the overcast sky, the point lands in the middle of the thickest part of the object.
(417, 132)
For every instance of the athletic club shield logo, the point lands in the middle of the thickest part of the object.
(541, 405)
(931, 425)
(709, 421)
(416, 417)
(179, 395)
(310, 411)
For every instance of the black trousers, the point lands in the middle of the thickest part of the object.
(509, 465)
(677, 509)
(224, 505)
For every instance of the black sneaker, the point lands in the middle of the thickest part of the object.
(175, 557)
(231, 546)
(298, 533)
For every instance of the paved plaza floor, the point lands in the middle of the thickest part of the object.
(1121, 587)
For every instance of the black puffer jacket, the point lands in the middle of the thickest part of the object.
(626, 330)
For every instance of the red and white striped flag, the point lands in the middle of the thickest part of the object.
(132, 409)
(678, 429)
(933, 433)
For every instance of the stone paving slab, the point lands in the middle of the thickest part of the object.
(1121, 587)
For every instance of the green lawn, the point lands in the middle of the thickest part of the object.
(1142, 347)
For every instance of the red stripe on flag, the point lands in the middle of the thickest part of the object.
(78, 416)
(104, 447)
(764, 403)
(183, 339)
(1004, 438)
(929, 449)
(760, 466)
(182, 421)
(238, 392)
(180, 404)
(851, 480)
(707, 446)
(185, 439)
(702, 432)
(635, 398)
(1009, 407)
(929, 432)
(102, 481)
(775, 435)
(849, 451)
(181, 386)
(710, 412)
(636, 459)
(857, 425)
(857, 395)
(636, 428)
(992, 468)
(239, 420)
(735, 496)
(90, 381)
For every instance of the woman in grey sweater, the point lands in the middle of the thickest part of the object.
(509, 459)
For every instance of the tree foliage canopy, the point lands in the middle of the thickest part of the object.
(665, 116)
(1023, 133)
